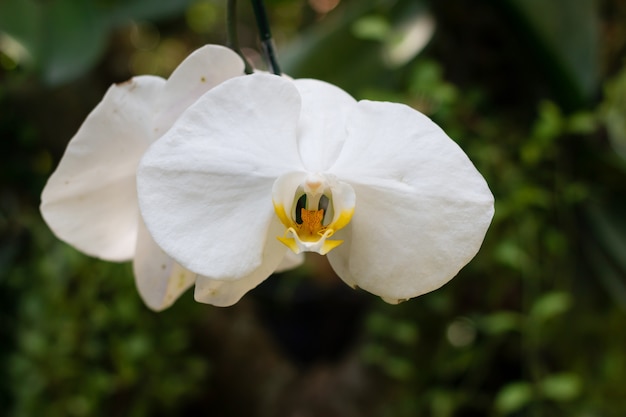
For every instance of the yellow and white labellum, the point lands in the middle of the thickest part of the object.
(312, 207)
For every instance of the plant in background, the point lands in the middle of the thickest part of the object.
(77, 339)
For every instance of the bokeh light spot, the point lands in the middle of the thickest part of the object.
(201, 16)
(461, 332)
(323, 6)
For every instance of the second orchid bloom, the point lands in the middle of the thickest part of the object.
(90, 201)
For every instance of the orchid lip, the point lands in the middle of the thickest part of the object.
(318, 206)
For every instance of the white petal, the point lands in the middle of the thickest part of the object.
(344, 202)
(202, 70)
(205, 188)
(90, 200)
(422, 208)
(159, 279)
(290, 261)
(283, 193)
(226, 293)
(322, 123)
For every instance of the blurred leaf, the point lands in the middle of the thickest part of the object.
(508, 252)
(408, 38)
(398, 367)
(513, 397)
(405, 332)
(428, 85)
(610, 277)
(610, 225)
(374, 353)
(442, 404)
(582, 123)
(74, 38)
(568, 34)
(614, 111)
(375, 28)
(550, 305)
(574, 192)
(531, 196)
(549, 125)
(333, 53)
(607, 225)
(377, 323)
(65, 38)
(501, 322)
(84, 337)
(22, 21)
(561, 387)
(202, 15)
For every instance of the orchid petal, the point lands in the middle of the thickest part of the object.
(205, 187)
(159, 279)
(202, 70)
(226, 293)
(322, 124)
(422, 211)
(90, 200)
(290, 261)
(283, 192)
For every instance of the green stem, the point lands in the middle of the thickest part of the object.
(233, 39)
(266, 36)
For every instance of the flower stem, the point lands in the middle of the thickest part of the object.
(266, 36)
(232, 38)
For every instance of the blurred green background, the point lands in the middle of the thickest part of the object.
(534, 91)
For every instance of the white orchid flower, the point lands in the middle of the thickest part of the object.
(263, 164)
(90, 201)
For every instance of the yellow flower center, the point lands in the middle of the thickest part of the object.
(311, 226)
(306, 207)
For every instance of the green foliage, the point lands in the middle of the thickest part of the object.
(614, 112)
(63, 39)
(533, 326)
(566, 35)
(85, 344)
(508, 345)
(513, 397)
